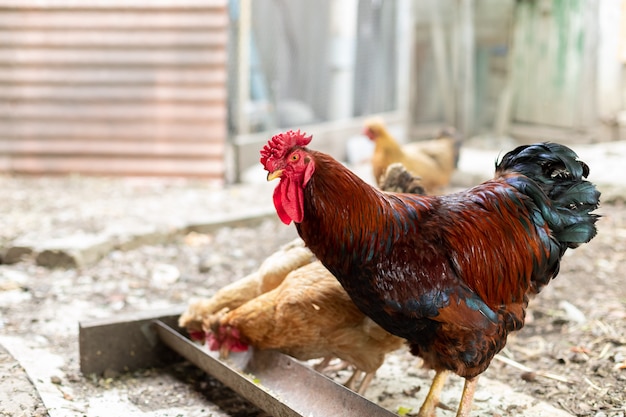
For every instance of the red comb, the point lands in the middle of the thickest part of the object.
(278, 146)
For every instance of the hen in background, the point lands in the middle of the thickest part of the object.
(434, 161)
(453, 273)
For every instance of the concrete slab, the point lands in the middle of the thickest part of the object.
(72, 251)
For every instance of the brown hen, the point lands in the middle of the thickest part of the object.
(308, 316)
(434, 161)
(270, 274)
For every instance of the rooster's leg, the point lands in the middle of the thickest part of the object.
(465, 406)
(432, 399)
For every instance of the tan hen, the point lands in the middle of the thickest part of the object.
(308, 316)
(434, 161)
(270, 274)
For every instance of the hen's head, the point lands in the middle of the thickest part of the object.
(226, 339)
(286, 157)
(374, 128)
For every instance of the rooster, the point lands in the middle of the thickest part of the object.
(434, 161)
(451, 274)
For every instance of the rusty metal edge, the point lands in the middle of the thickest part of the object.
(275, 382)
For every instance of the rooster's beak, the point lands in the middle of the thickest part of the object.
(274, 175)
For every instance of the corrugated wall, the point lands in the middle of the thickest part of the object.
(113, 87)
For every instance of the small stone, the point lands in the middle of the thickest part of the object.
(573, 313)
(204, 267)
(578, 357)
(110, 374)
(16, 254)
(207, 264)
(195, 239)
(164, 275)
(56, 380)
(72, 377)
(56, 258)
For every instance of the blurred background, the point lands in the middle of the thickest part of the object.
(130, 133)
(194, 88)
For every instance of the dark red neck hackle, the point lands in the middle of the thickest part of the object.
(278, 146)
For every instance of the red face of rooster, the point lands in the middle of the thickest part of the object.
(286, 157)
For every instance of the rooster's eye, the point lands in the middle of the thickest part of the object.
(295, 157)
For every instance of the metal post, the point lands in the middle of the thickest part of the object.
(343, 23)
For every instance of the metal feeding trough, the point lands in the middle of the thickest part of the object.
(276, 383)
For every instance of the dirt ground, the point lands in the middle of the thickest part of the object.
(572, 350)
